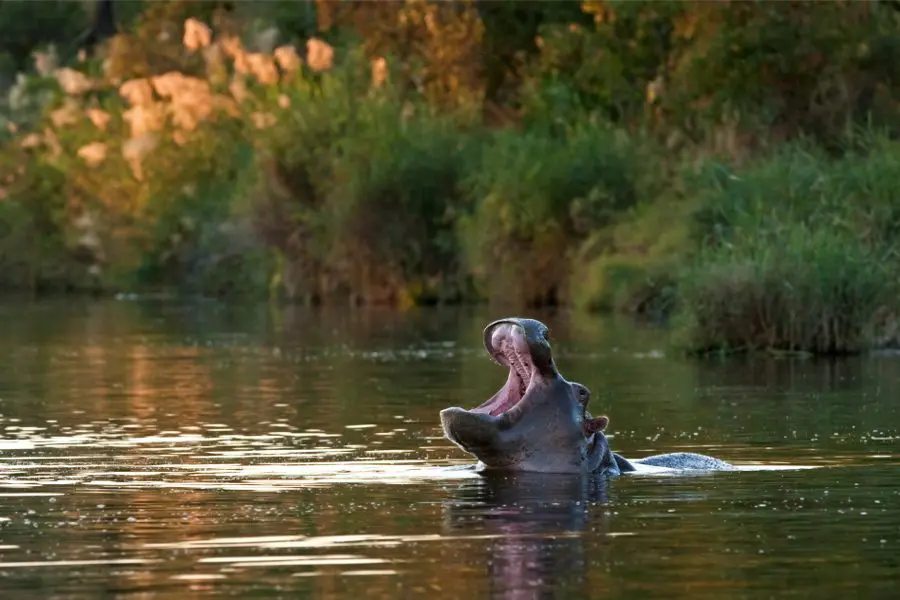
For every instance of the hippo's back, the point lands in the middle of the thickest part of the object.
(685, 461)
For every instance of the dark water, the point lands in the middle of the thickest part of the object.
(150, 450)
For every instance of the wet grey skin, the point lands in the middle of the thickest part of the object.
(538, 421)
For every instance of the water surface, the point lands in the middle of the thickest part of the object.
(203, 450)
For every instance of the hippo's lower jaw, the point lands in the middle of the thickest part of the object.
(537, 421)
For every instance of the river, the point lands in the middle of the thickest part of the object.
(168, 450)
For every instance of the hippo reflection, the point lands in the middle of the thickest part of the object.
(544, 533)
(538, 421)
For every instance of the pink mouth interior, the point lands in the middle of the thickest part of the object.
(509, 348)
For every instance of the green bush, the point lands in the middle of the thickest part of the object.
(607, 65)
(395, 199)
(801, 184)
(795, 184)
(295, 160)
(813, 290)
(361, 191)
(798, 253)
(200, 240)
(536, 196)
(631, 266)
(26, 25)
(35, 254)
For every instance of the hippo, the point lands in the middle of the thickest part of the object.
(539, 422)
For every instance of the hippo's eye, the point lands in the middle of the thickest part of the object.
(546, 334)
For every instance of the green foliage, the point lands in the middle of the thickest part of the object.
(854, 193)
(809, 271)
(608, 64)
(817, 290)
(791, 66)
(200, 242)
(33, 253)
(28, 100)
(729, 77)
(714, 161)
(536, 196)
(395, 202)
(296, 160)
(294, 19)
(360, 196)
(631, 266)
(510, 35)
(26, 26)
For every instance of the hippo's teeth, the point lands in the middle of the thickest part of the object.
(517, 364)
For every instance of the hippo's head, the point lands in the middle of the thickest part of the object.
(537, 421)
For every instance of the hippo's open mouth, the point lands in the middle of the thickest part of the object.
(508, 346)
(528, 357)
(537, 420)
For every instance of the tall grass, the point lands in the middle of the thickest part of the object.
(799, 253)
(631, 266)
(817, 290)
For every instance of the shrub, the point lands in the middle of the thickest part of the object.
(198, 238)
(294, 156)
(797, 253)
(394, 202)
(801, 184)
(792, 185)
(142, 169)
(631, 266)
(33, 246)
(536, 196)
(815, 290)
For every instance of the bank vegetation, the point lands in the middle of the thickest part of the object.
(731, 166)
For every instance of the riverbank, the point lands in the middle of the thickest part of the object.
(194, 154)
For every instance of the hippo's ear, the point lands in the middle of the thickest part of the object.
(596, 424)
